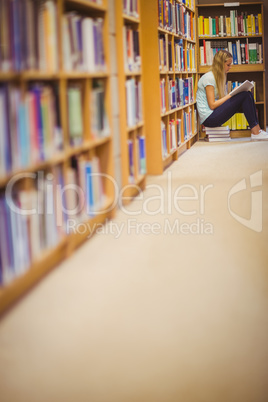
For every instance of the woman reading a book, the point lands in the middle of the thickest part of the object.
(215, 107)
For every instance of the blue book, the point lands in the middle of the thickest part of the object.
(41, 140)
(142, 155)
(89, 190)
(234, 51)
(23, 136)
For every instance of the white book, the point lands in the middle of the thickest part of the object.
(88, 44)
(245, 86)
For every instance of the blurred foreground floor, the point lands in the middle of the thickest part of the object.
(168, 302)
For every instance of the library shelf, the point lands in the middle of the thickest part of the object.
(167, 130)
(238, 27)
(66, 97)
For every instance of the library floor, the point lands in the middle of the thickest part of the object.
(168, 302)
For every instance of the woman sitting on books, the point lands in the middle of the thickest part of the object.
(215, 107)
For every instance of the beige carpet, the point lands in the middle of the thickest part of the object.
(173, 308)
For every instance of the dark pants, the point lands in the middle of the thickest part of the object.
(242, 102)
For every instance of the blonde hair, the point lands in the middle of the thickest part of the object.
(218, 70)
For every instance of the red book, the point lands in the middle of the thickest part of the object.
(205, 52)
(217, 26)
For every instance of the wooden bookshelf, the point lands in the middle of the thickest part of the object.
(59, 166)
(130, 70)
(239, 72)
(154, 116)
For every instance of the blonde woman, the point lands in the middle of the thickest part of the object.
(215, 107)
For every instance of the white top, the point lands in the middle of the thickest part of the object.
(201, 97)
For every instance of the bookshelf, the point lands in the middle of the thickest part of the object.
(170, 80)
(56, 150)
(239, 29)
(131, 103)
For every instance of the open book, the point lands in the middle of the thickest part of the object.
(245, 86)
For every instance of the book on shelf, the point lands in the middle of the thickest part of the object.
(133, 101)
(245, 86)
(75, 114)
(98, 116)
(141, 155)
(131, 176)
(164, 140)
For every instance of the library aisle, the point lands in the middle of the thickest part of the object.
(168, 302)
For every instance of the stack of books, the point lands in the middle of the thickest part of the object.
(214, 134)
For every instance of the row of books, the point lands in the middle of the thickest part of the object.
(28, 35)
(133, 101)
(180, 93)
(25, 234)
(243, 52)
(175, 18)
(172, 135)
(137, 158)
(230, 85)
(37, 218)
(29, 38)
(132, 57)
(237, 122)
(30, 126)
(184, 55)
(130, 7)
(82, 40)
(234, 25)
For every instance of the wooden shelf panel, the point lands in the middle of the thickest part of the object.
(235, 68)
(229, 37)
(87, 4)
(139, 125)
(167, 113)
(166, 31)
(133, 73)
(130, 19)
(222, 5)
(42, 165)
(46, 75)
